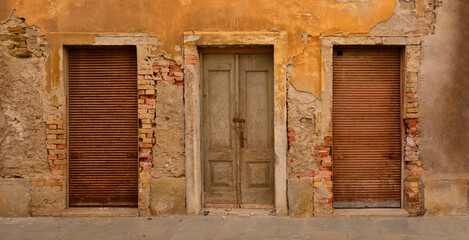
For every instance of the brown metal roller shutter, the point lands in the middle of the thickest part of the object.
(103, 126)
(366, 124)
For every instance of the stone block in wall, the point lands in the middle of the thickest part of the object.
(168, 196)
(15, 197)
(445, 198)
(300, 197)
(47, 202)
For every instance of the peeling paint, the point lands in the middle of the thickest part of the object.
(167, 20)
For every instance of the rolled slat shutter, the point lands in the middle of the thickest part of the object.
(103, 126)
(366, 127)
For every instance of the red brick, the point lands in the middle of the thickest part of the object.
(145, 106)
(324, 168)
(61, 146)
(327, 164)
(146, 145)
(150, 101)
(323, 149)
(146, 164)
(145, 71)
(144, 154)
(192, 60)
(141, 116)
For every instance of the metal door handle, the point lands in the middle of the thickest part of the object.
(238, 120)
(242, 139)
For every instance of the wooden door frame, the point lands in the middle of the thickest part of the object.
(192, 102)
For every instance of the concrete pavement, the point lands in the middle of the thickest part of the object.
(218, 227)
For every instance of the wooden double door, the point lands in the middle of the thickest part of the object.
(237, 130)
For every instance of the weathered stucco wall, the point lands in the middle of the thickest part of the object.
(24, 108)
(444, 92)
(444, 108)
(305, 22)
(22, 100)
(32, 96)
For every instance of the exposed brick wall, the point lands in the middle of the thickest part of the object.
(302, 130)
(168, 71)
(168, 152)
(323, 181)
(146, 138)
(147, 103)
(48, 193)
(413, 171)
(56, 144)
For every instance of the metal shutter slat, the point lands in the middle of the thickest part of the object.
(366, 126)
(103, 126)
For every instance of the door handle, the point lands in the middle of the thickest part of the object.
(238, 120)
(240, 128)
(242, 139)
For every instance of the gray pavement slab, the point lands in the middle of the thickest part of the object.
(236, 228)
(411, 226)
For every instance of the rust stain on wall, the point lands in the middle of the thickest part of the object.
(167, 20)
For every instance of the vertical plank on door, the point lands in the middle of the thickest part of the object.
(219, 133)
(256, 107)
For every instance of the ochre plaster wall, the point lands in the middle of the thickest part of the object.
(304, 22)
(442, 82)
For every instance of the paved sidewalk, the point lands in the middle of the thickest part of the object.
(236, 228)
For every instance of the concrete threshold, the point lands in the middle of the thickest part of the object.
(240, 212)
(375, 212)
(100, 212)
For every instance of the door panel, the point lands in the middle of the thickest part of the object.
(219, 138)
(218, 98)
(256, 107)
(367, 127)
(238, 130)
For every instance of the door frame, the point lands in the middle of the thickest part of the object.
(411, 195)
(57, 86)
(192, 104)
